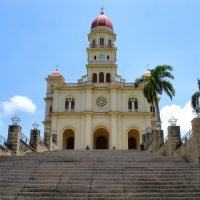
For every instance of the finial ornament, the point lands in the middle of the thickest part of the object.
(15, 120)
(35, 125)
(172, 121)
(102, 12)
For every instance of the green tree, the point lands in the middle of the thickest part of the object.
(154, 84)
(195, 100)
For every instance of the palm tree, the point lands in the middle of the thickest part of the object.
(154, 83)
(195, 100)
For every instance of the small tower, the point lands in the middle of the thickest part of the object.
(101, 67)
(54, 81)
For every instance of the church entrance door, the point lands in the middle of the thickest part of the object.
(70, 143)
(101, 142)
(68, 139)
(132, 143)
(101, 139)
(133, 139)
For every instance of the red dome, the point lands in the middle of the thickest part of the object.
(148, 72)
(102, 21)
(55, 73)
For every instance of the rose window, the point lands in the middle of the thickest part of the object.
(101, 102)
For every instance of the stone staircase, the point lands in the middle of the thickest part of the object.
(98, 175)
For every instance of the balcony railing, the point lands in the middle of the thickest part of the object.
(70, 110)
(99, 62)
(117, 82)
(102, 46)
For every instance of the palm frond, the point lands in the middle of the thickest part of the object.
(198, 84)
(195, 99)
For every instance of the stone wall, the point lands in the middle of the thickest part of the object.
(4, 151)
(25, 148)
(186, 150)
(190, 149)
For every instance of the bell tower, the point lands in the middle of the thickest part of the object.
(101, 67)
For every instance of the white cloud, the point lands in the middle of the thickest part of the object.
(17, 103)
(183, 114)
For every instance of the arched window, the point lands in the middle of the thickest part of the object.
(101, 41)
(133, 104)
(69, 104)
(152, 109)
(95, 57)
(52, 88)
(107, 78)
(50, 109)
(101, 77)
(109, 43)
(93, 43)
(94, 78)
(108, 57)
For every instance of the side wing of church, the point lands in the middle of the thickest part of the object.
(101, 110)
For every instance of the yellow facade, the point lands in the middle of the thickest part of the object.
(101, 110)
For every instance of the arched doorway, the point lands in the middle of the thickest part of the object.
(133, 139)
(101, 139)
(68, 139)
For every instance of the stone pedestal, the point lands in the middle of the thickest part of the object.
(148, 140)
(158, 139)
(174, 138)
(35, 138)
(196, 139)
(13, 141)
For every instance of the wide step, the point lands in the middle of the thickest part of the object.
(100, 174)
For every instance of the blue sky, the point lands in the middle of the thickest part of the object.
(37, 35)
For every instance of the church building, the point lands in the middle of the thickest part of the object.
(101, 110)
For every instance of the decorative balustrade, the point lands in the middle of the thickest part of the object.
(137, 110)
(117, 81)
(129, 84)
(101, 62)
(102, 46)
(186, 137)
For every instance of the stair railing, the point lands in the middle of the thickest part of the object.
(186, 137)
(3, 141)
(24, 138)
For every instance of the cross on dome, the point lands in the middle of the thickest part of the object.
(102, 12)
